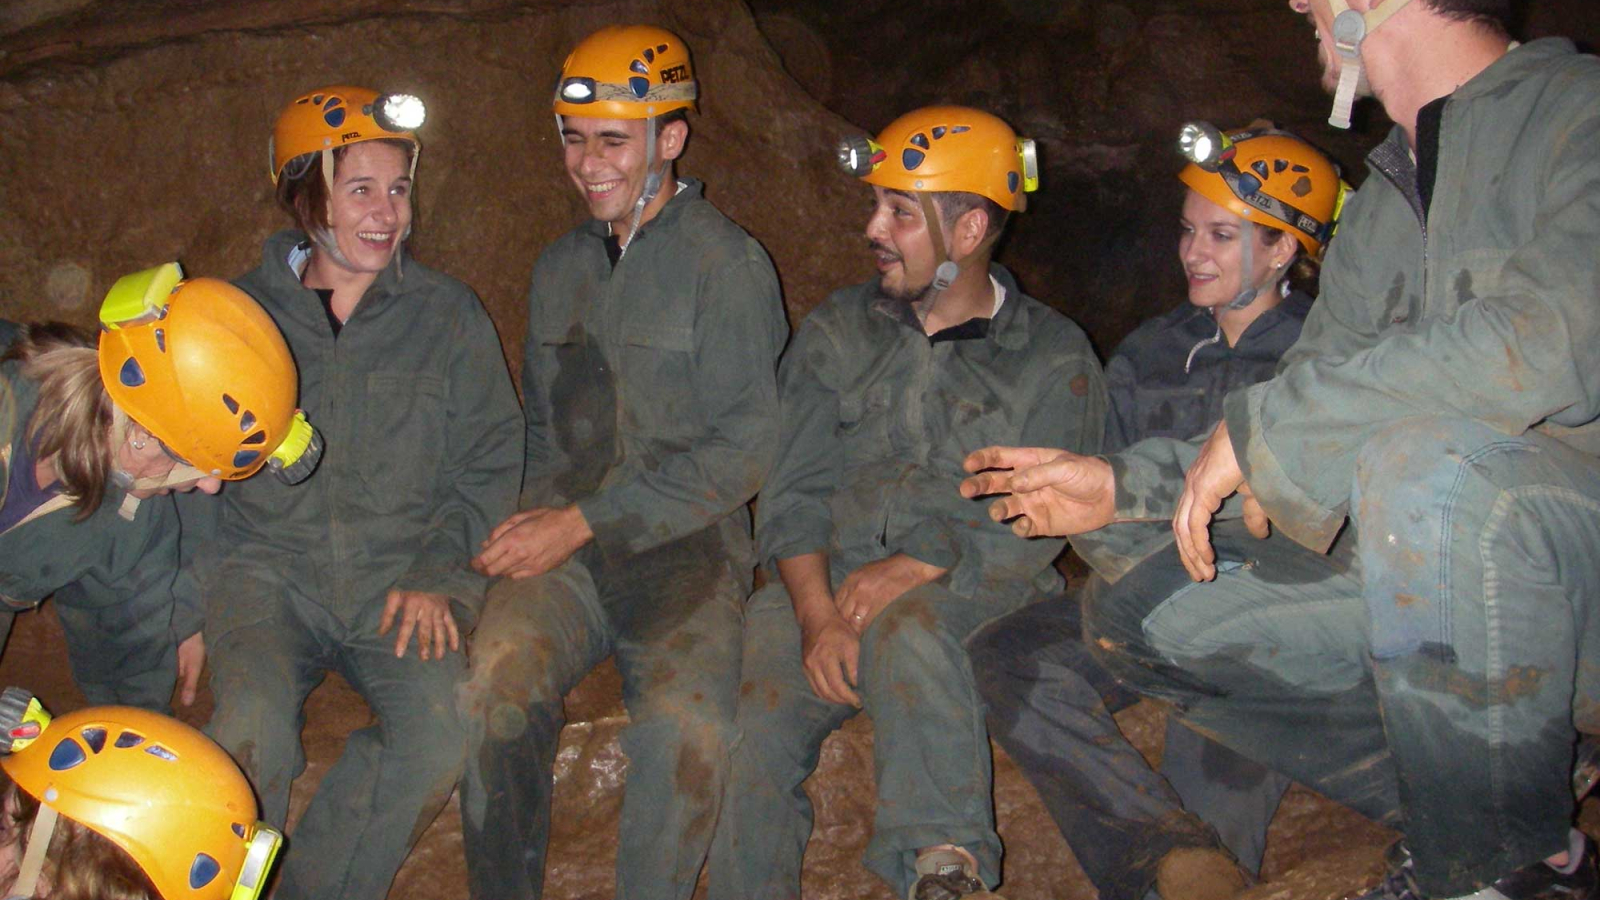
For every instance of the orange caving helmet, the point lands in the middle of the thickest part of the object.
(155, 787)
(626, 72)
(949, 148)
(201, 366)
(1272, 178)
(340, 115)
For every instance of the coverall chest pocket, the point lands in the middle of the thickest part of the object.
(658, 377)
(865, 425)
(402, 438)
(1175, 411)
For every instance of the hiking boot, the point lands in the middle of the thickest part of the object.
(1586, 773)
(948, 874)
(1199, 873)
(1536, 882)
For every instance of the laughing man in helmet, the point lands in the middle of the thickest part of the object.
(1437, 426)
(877, 569)
(649, 382)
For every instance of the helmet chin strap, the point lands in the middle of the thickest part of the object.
(947, 270)
(1350, 28)
(1247, 290)
(1247, 262)
(652, 184)
(44, 828)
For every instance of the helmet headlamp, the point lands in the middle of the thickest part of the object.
(1029, 152)
(577, 89)
(399, 112)
(1205, 145)
(859, 155)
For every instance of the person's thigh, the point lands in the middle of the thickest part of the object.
(1269, 658)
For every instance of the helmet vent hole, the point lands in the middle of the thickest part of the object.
(649, 57)
(203, 871)
(260, 437)
(661, 48)
(334, 117)
(1299, 168)
(639, 86)
(248, 421)
(161, 752)
(960, 129)
(1278, 165)
(131, 375)
(95, 737)
(231, 404)
(66, 755)
(128, 739)
(161, 339)
(1012, 180)
(938, 131)
(910, 158)
(1260, 168)
(317, 99)
(1301, 187)
(245, 457)
(238, 829)
(920, 140)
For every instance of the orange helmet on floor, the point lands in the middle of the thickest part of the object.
(626, 72)
(201, 366)
(340, 115)
(1268, 177)
(948, 148)
(155, 787)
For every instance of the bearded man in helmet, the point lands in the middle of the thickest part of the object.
(1441, 409)
(649, 383)
(878, 569)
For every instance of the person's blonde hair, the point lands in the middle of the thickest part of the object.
(81, 864)
(71, 425)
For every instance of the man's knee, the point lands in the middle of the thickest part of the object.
(1419, 460)
(907, 643)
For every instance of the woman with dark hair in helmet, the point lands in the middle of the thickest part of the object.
(89, 439)
(362, 570)
(117, 803)
(1252, 225)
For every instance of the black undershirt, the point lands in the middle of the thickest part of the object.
(971, 329)
(1430, 119)
(327, 307)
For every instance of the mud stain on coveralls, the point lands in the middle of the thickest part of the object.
(1442, 676)
(583, 398)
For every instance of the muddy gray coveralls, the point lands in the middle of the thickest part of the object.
(651, 398)
(1050, 702)
(423, 446)
(1443, 407)
(878, 417)
(114, 579)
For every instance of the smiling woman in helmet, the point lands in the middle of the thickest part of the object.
(190, 385)
(1258, 202)
(116, 803)
(364, 569)
(1258, 209)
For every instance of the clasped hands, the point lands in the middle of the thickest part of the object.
(830, 643)
(1042, 492)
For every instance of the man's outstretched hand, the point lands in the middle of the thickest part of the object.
(1043, 492)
